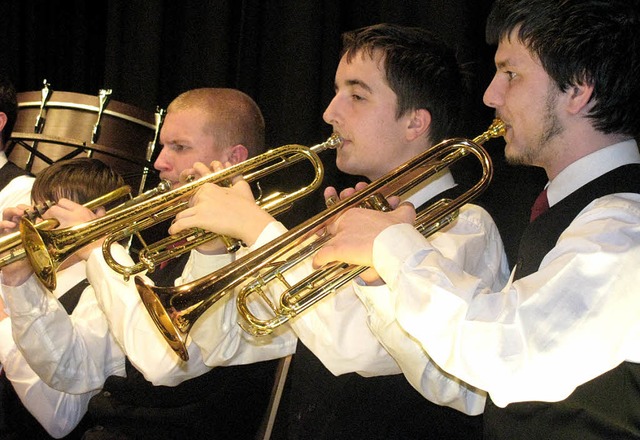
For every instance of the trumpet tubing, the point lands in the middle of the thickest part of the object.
(305, 293)
(176, 309)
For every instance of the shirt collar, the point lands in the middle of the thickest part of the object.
(590, 167)
(437, 184)
(3, 159)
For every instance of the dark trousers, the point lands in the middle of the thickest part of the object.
(318, 405)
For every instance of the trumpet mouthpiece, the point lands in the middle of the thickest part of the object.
(334, 141)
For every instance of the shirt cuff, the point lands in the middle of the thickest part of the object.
(272, 231)
(393, 247)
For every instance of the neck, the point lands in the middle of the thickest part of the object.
(573, 145)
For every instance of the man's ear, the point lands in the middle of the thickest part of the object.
(3, 120)
(578, 97)
(419, 123)
(238, 153)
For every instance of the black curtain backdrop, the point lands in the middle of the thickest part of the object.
(283, 53)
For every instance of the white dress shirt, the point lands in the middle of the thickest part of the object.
(215, 339)
(77, 353)
(18, 190)
(58, 412)
(540, 337)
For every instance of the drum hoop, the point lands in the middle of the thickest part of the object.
(17, 137)
(71, 105)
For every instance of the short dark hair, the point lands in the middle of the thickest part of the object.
(8, 106)
(81, 179)
(595, 42)
(421, 70)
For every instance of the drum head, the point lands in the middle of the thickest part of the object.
(77, 125)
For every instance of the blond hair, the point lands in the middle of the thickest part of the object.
(235, 118)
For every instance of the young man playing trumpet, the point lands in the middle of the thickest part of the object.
(398, 91)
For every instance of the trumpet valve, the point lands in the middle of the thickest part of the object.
(36, 211)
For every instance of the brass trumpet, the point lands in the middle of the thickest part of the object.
(47, 249)
(12, 243)
(176, 309)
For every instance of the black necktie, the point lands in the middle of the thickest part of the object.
(540, 205)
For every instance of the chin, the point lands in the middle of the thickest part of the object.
(347, 169)
(342, 164)
(514, 158)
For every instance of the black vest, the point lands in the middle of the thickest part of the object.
(9, 172)
(16, 422)
(320, 406)
(607, 407)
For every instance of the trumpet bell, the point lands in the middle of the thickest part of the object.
(37, 253)
(159, 311)
(14, 242)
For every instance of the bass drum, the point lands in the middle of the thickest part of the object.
(53, 126)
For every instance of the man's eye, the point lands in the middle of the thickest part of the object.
(356, 98)
(511, 75)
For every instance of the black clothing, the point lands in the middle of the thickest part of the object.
(318, 405)
(607, 407)
(226, 403)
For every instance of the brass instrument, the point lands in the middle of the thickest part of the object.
(12, 243)
(47, 249)
(175, 245)
(176, 309)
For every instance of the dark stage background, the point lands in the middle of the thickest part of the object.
(282, 53)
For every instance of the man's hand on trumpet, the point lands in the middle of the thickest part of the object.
(226, 210)
(11, 219)
(355, 230)
(331, 196)
(68, 214)
(16, 273)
